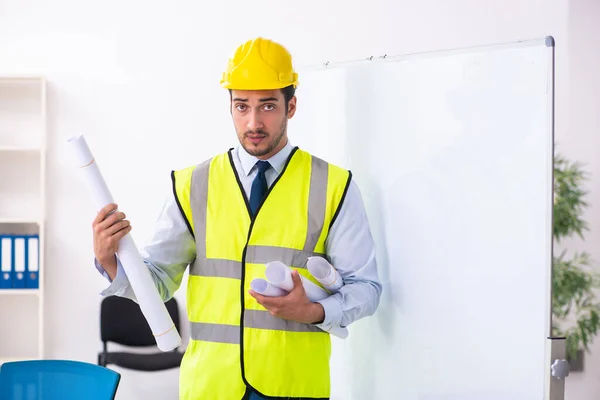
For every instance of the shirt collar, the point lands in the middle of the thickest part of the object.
(277, 161)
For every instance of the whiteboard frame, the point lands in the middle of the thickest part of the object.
(547, 41)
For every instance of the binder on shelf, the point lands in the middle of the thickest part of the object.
(33, 262)
(6, 262)
(19, 261)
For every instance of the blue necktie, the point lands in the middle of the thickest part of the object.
(259, 186)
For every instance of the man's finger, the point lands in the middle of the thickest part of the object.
(112, 219)
(107, 209)
(265, 301)
(116, 227)
(120, 234)
(297, 280)
(259, 297)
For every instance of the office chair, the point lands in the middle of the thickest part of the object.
(122, 322)
(57, 380)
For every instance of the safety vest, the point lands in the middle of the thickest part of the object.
(235, 344)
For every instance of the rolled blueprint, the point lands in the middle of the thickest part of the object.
(146, 293)
(261, 286)
(280, 275)
(324, 273)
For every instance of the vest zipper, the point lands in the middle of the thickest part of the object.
(252, 220)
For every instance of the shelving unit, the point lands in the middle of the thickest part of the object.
(22, 208)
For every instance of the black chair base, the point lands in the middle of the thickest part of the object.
(142, 362)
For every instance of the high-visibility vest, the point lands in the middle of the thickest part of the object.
(235, 343)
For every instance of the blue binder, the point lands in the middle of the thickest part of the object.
(6, 260)
(33, 262)
(19, 261)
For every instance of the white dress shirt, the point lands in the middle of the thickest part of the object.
(349, 245)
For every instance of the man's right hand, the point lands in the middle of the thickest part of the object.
(109, 227)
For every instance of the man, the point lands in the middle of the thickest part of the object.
(230, 215)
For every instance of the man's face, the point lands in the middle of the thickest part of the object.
(260, 120)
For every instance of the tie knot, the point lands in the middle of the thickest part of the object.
(262, 166)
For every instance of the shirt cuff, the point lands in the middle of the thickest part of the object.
(101, 270)
(119, 285)
(333, 313)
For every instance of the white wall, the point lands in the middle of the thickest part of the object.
(580, 140)
(140, 80)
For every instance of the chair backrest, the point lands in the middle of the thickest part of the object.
(122, 321)
(57, 380)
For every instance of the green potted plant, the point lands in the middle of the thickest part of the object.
(575, 309)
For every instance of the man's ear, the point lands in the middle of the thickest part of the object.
(292, 107)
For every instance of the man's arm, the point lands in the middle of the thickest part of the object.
(167, 254)
(351, 249)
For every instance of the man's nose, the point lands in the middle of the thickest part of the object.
(254, 121)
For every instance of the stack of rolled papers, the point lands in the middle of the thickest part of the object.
(279, 282)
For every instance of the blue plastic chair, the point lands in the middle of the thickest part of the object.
(57, 380)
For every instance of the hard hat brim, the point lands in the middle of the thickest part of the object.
(232, 86)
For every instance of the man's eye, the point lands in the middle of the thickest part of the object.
(240, 107)
(269, 107)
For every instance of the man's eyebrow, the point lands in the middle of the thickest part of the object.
(263, 100)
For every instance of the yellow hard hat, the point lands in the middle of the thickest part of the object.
(260, 64)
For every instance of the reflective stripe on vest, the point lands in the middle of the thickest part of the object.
(291, 225)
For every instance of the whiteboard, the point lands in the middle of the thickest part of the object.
(452, 152)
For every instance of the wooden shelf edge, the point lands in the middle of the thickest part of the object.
(19, 292)
(19, 78)
(19, 221)
(21, 149)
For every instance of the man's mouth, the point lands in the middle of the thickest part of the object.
(256, 139)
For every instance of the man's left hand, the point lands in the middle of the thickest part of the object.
(294, 306)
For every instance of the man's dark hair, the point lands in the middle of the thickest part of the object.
(288, 93)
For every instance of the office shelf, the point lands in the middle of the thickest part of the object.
(19, 292)
(19, 220)
(22, 207)
(20, 149)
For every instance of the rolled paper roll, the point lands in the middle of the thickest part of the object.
(262, 286)
(280, 275)
(324, 273)
(146, 293)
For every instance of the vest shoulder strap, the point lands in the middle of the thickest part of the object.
(182, 188)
